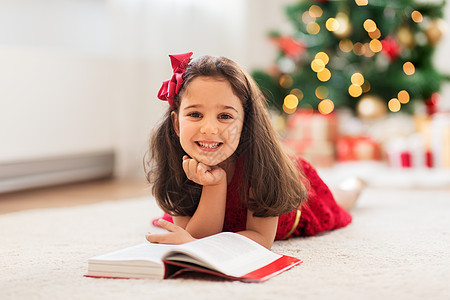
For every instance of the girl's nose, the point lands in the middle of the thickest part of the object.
(209, 126)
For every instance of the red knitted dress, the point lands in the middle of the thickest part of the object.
(320, 213)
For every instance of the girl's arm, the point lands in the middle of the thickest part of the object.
(207, 220)
(261, 230)
(210, 214)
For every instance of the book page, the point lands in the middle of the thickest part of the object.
(141, 252)
(229, 253)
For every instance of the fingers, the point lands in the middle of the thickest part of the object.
(163, 238)
(169, 226)
(176, 234)
(190, 166)
(155, 238)
(202, 168)
(193, 169)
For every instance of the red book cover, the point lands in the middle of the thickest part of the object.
(284, 263)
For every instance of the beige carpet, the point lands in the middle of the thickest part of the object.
(397, 248)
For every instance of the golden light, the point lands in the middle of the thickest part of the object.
(322, 92)
(367, 51)
(375, 34)
(362, 2)
(332, 24)
(317, 65)
(286, 81)
(326, 106)
(324, 75)
(366, 86)
(289, 110)
(371, 107)
(291, 101)
(394, 105)
(370, 25)
(346, 45)
(298, 93)
(315, 11)
(323, 57)
(409, 68)
(307, 109)
(345, 27)
(307, 18)
(416, 16)
(403, 96)
(355, 90)
(358, 49)
(313, 28)
(357, 79)
(375, 46)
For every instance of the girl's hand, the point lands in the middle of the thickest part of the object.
(176, 234)
(201, 173)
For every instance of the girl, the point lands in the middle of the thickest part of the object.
(217, 164)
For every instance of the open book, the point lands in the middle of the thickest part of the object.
(226, 254)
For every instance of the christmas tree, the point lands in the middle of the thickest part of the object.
(372, 56)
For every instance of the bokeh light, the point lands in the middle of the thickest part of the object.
(315, 11)
(409, 68)
(394, 105)
(289, 110)
(286, 81)
(358, 49)
(291, 101)
(375, 34)
(298, 93)
(367, 51)
(370, 25)
(403, 97)
(326, 106)
(355, 90)
(366, 86)
(322, 92)
(375, 46)
(317, 65)
(323, 57)
(357, 79)
(324, 75)
(416, 16)
(307, 18)
(307, 109)
(313, 28)
(346, 45)
(345, 27)
(332, 24)
(362, 2)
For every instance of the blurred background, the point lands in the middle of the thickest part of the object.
(79, 78)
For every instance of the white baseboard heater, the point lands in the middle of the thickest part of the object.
(21, 175)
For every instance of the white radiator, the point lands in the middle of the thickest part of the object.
(21, 175)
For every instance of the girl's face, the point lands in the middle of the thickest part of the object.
(209, 121)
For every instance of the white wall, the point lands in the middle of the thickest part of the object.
(53, 104)
(79, 76)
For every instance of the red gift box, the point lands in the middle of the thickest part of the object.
(353, 148)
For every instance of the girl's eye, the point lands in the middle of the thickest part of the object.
(194, 115)
(225, 116)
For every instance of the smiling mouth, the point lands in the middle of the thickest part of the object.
(209, 146)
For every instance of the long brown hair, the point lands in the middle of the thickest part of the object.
(274, 180)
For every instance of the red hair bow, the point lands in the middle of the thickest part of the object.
(171, 87)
